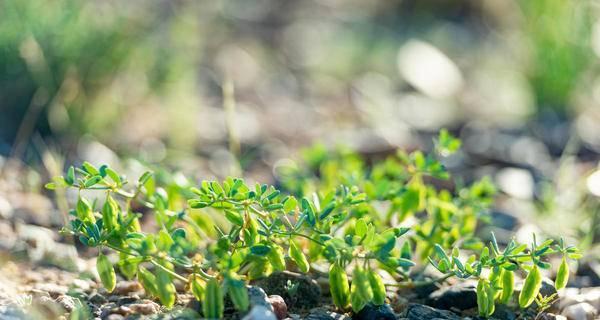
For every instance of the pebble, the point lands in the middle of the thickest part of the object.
(580, 311)
(127, 300)
(417, 311)
(34, 208)
(551, 316)
(258, 297)
(145, 307)
(279, 306)
(259, 312)
(84, 285)
(127, 287)
(324, 314)
(373, 312)
(97, 299)
(462, 296)
(307, 293)
(573, 296)
(67, 302)
(53, 289)
(588, 273)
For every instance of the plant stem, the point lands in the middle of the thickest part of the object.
(416, 284)
(169, 271)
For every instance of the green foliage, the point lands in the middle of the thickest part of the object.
(219, 235)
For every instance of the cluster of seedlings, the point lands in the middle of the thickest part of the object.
(334, 211)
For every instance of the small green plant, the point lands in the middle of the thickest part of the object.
(218, 236)
(494, 269)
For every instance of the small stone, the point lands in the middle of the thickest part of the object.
(108, 309)
(462, 296)
(259, 312)
(126, 300)
(591, 296)
(67, 302)
(279, 306)
(324, 314)
(97, 299)
(416, 311)
(551, 316)
(502, 311)
(6, 209)
(258, 297)
(53, 289)
(373, 312)
(306, 291)
(580, 311)
(145, 307)
(588, 273)
(48, 307)
(123, 310)
(547, 289)
(81, 284)
(114, 316)
(127, 287)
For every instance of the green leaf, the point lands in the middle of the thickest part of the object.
(446, 144)
(234, 217)
(106, 272)
(360, 229)
(165, 288)
(260, 250)
(70, 178)
(148, 281)
(89, 168)
(197, 204)
(290, 204)
(92, 181)
(164, 241)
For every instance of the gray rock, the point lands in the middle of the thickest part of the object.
(547, 288)
(258, 297)
(588, 274)
(299, 291)
(67, 302)
(462, 296)
(144, 307)
(259, 312)
(11, 312)
(7, 235)
(324, 314)
(126, 300)
(6, 209)
(580, 311)
(97, 299)
(551, 316)
(373, 312)
(502, 311)
(53, 289)
(416, 311)
(34, 208)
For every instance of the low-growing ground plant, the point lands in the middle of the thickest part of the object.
(357, 220)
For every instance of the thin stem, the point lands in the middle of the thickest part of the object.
(299, 235)
(169, 271)
(416, 284)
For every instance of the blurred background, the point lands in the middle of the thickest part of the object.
(213, 88)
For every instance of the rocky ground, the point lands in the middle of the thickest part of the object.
(46, 276)
(43, 277)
